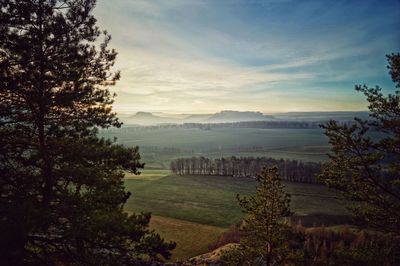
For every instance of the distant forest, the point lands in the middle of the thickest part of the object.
(244, 124)
(255, 124)
(289, 170)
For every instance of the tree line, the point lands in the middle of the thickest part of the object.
(324, 246)
(289, 170)
(255, 124)
(288, 124)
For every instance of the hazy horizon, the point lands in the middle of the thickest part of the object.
(270, 56)
(208, 113)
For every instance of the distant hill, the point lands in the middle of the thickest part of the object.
(228, 116)
(236, 116)
(146, 119)
(198, 118)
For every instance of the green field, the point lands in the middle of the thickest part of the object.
(211, 200)
(195, 210)
(226, 137)
(158, 146)
(208, 204)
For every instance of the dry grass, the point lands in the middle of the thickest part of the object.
(192, 239)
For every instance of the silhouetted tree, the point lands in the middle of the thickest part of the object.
(365, 159)
(61, 187)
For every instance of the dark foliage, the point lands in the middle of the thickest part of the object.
(345, 247)
(322, 246)
(61, 187)
(367, 169)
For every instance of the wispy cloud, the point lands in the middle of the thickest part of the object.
(204, 56)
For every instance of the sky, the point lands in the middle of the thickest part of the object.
(204, 56)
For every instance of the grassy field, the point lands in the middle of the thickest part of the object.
(212, 200)
(192, 239)
(303, 144)
(194, 210)
(153, 174)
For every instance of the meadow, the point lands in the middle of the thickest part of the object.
(193, 211)
(160, 145)
(199, 208)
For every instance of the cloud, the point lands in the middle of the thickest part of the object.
(188, 56)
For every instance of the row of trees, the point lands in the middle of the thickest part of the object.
(254, 124)
(289, 170)
(289, 124)
(243, 124)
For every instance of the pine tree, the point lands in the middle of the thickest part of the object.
(61, 187)
(364, 163)
(266, 232)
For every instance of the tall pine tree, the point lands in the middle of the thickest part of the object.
(365, 160)
(266, 233)
(61, 187)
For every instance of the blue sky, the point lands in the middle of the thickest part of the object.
(198, 56)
